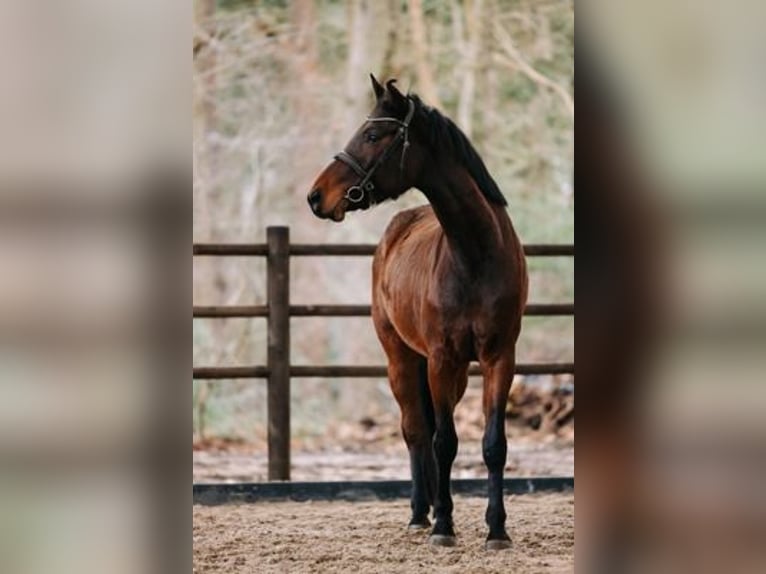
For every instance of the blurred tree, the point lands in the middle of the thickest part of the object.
(204, 156)
(204, 95)
(426, 83)
(359, 19)
(390, 68)
(511, 57)
(305, 63)
(487, 78)
(469, 44)
(306, 48)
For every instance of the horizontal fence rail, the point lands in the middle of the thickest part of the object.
(277, 250)
(344, 250)
(359, 371)
(243, 311)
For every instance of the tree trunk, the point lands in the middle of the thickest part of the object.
(389, 68)
(469, 62)
(305, 55)
(358, 58)
(426, 84)
(204, 109)
(306, 48)
(305, 89)
(204, 156)
(487, 84)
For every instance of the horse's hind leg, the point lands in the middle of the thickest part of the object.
(407, 376)
(498, 377)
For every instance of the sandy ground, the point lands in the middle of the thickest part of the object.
(349, 537)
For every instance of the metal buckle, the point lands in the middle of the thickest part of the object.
(350, 194)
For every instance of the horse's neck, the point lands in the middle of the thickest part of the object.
(472, 225)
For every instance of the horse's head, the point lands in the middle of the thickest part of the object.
(378, 163)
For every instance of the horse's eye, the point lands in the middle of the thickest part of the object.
(371, 137)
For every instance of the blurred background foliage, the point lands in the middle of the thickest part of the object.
(280, 86)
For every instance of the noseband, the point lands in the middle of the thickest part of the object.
(366, 187)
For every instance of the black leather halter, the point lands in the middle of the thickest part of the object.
(366, 187)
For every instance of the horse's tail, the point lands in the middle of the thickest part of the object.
(427, 403)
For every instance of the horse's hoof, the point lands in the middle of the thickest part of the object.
(497, 544)
(416, 526)
(442, 540)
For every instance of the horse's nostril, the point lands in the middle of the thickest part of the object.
(314, 197)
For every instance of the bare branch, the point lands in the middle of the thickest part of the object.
(513, 59)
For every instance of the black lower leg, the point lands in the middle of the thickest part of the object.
(495, 450)
(420, 501)
(421, 454)
(445, 450)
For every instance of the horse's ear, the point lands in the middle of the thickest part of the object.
(377, 88)
(397, 98)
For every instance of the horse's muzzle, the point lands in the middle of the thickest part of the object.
(315, 199)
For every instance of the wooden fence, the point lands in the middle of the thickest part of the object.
(277, 311)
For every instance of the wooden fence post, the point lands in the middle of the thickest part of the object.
(278, 404)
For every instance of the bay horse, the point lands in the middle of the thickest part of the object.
(449, 286)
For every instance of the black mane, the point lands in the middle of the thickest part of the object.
(444, 136)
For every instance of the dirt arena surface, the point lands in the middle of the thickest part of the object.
(361, 537)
